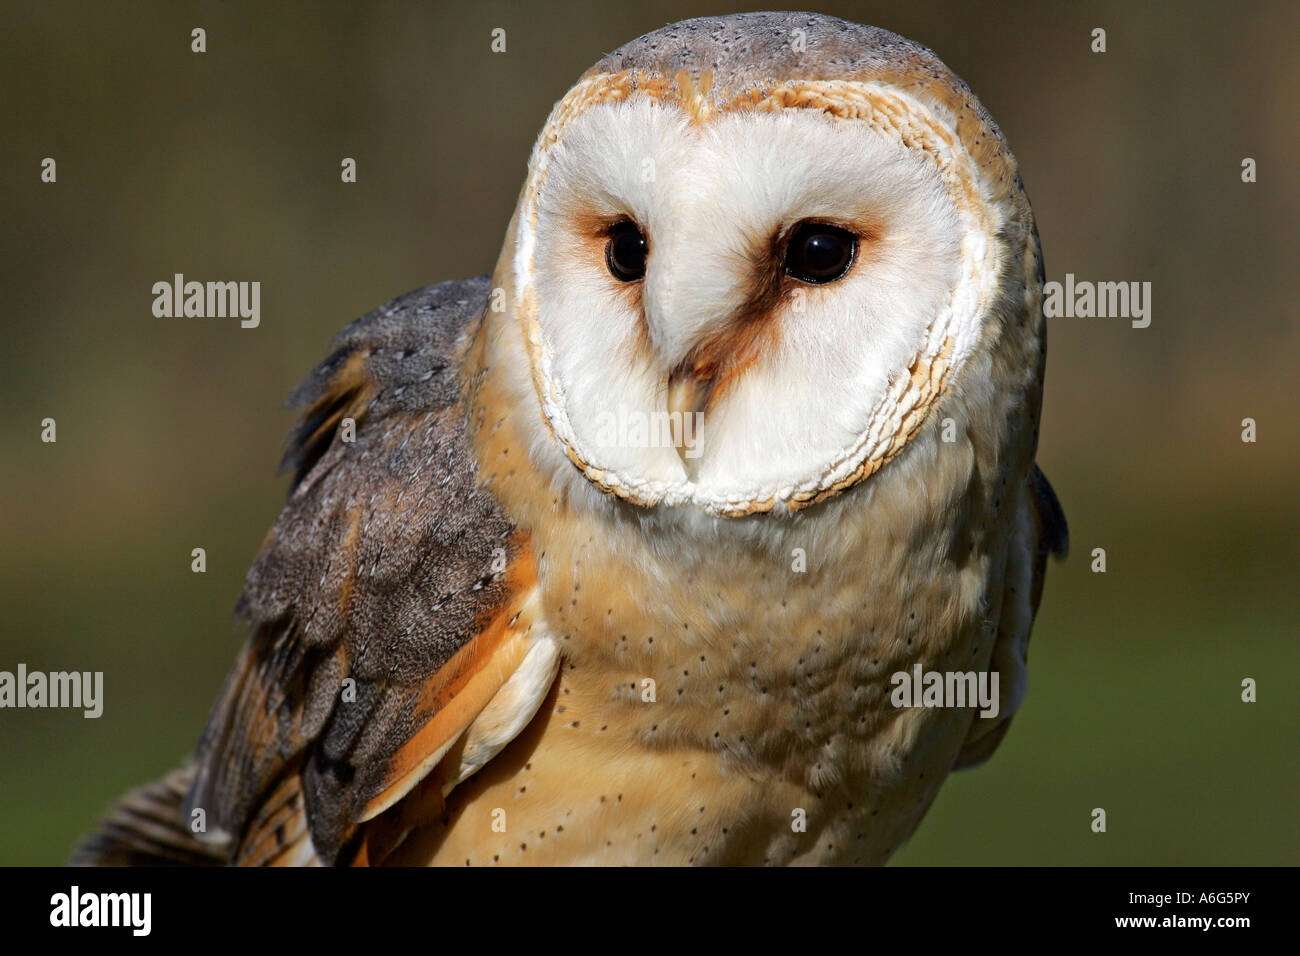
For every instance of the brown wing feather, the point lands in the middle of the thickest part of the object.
(377, 572)
(383, 604)
(278, 833)
(449, 701)
(146, 828)
(461, 689)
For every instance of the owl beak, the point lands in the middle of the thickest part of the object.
(688, 396)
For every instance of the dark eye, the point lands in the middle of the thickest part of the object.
(820, 253)
(625, 253)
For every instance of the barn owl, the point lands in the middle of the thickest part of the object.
(614, 556)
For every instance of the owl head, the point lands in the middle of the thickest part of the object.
(754, 256)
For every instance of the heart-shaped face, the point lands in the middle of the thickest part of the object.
(744, 294)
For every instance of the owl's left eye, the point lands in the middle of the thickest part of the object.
(818, 252)
(626, 251)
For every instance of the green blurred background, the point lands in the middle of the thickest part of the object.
(226, 166)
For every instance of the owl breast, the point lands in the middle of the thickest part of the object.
(711, 721)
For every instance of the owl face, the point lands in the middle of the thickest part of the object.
(749, 298)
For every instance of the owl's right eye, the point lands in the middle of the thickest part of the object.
(626, 251)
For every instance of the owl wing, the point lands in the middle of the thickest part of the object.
(1040, 530)
(391, 607)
